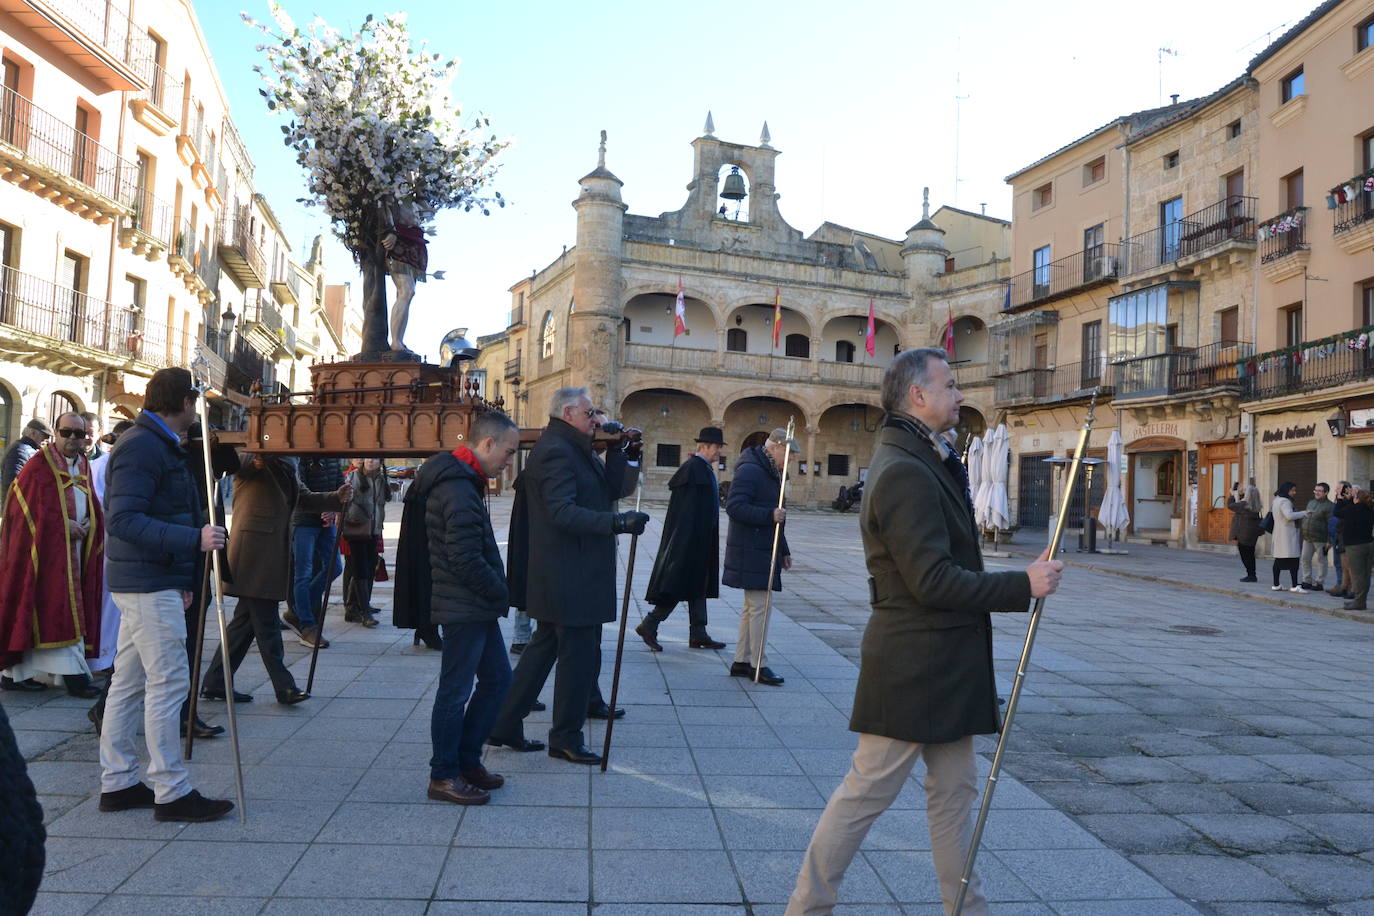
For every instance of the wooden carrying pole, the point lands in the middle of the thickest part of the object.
(1023, 664)
(620, 640)
(200, 373)
(777, 538)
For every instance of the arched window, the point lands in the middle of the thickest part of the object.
(844, 351)
(737, 340)
(548, 336)
(59, 404)
(798, 345)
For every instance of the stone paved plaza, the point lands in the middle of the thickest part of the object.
(1153, 770)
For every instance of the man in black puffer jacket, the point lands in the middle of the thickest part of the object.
(467, 599)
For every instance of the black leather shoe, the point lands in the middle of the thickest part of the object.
(538, 706)
(210, 694)
(604, 712)
(766, 676)
(293, 696)
(79, 685)
(524, 745)
(649, 636)
(581, 754)
(26, 686)
(704, 642)
(202, 729)
(741, 669)
(194, 808)
(517, 647)
(96, 718)
(137, 795)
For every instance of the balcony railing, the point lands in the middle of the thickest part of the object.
(851, 373)
(1311, 366)
(286, 286)
(59, 147)
(1231, 219)
(1093, 266)
(153, 218)
(1355, 212)
(164, 90)
(660, 357)
(762, 364)
(1283, 235)
(239, 251)
(1182, 370)
(1067, 382)
(69, 316)
(105, 23)
(513, 368)
(265, 314)
(248, 365)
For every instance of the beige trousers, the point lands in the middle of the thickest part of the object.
(751, 629)
(880, 769)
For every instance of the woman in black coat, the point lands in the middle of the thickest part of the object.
(754, 514)
(1245, 525)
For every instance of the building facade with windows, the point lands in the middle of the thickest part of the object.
(1218, 252)
(603, 314)
(129, 229)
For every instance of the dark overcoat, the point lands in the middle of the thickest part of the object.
(749, 540)
(571, 576)
(410, 596)
(468, 581)
(260, 537)
(518, 545)
(687, 567)
(925, 671)
(1245, 523)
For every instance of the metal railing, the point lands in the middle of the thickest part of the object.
(265, 314)
(107, 25)
(152, 217)
(1090, 267)
(1355, 212)
(163, 88)
(1281, 244)
(1231, 219)
(1311, 366)
(513, 368)
(59, 146)
(235, 233)
(517, 316)
(207, 267)
(184, 245)
(1060, 383)
(1181, 370)
(70, 316)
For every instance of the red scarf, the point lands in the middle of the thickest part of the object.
(465, 455)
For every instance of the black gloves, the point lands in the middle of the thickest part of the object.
(632, 443)
(629, 523)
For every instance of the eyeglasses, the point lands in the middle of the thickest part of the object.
(73, 433)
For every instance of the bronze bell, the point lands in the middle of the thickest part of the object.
(734, 185)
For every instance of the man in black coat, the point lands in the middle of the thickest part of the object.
(926, 683)
(571, 587)
(754, 514)
(17, 455)
(688, 564)
(467, 599)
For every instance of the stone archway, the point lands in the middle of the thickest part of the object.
(671, 419)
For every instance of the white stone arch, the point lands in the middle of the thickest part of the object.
(835, 327)
(742, 211)
(656, 307)
(777, 410)
(45, 400)
(873, 400)
(754, 315)
(970, 331)
(666, 287)
(680, 383)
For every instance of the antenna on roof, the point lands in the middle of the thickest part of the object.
(957, 99)
(1162, 51)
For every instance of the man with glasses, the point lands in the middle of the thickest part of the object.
(569, 495)
(52, 567)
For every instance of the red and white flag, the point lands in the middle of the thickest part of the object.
(949, 333)
(777, 314)
(868, 338)
(680, 318)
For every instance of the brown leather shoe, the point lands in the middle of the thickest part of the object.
(482, 778)
(649, 635)
(458, 792)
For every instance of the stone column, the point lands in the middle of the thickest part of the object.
(815, 359)
(812, 497)
(720, 347)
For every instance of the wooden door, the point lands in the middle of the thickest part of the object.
(1219, 466)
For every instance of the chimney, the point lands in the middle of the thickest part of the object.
(1173, 98)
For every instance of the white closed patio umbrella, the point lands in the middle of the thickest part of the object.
(995, 465)
(1113, 513)
(974, 463)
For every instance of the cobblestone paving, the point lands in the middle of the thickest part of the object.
(1153, 770)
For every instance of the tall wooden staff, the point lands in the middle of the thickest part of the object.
(200, 372)
(1024, 663)
(620, 641)
(777, 538)
(200, 648)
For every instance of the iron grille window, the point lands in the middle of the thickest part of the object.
(669, 456)
(837, 466)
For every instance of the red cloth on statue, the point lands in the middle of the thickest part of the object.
(50, 585)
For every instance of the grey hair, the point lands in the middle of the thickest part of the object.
(910, 367)
(489, 424)
(565, 397)
(1253, 499)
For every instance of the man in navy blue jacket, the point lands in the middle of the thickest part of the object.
(155, 528)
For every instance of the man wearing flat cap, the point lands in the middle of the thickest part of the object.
(688, 564)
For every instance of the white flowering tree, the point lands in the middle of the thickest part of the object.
(374, 125)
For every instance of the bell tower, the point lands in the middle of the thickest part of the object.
(594, 319)
(924, 255)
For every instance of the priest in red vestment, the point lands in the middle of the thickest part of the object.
(52, 564)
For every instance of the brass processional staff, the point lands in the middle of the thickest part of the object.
(200, 372)
(1024, 663)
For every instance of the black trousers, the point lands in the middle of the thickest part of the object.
(1288, 563)
(1247, 556)
(577, 650)
(696, 616)
(360, 571)
(254, 619)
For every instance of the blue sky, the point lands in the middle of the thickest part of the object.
(859, 97)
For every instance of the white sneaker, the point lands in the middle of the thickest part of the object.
(1296, 588)
(1276, 588)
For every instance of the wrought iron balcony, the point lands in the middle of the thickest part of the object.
(1310, 366)
(517, 316)
(1180, 371)
(1285, 234)
(239, 252)
(1068, 382)
(1229, 220)
(1352, 222)
(148, 231)
(96, 35)
(46, 155)
(286, 286)
(1091, 267)
(513, 368)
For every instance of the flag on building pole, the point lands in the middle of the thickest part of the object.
(949, 332)
(680, 321)
(777, 314)
(868, 338)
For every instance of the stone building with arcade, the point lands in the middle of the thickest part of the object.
(603, 315)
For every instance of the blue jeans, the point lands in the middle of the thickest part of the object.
(463, 717)
(314, 570)
(521, 631)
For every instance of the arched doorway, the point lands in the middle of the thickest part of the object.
(971, 423)
(61, 402)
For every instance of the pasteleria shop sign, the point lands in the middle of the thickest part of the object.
(1292, 432)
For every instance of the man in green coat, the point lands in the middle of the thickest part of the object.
(1315, 539)
(926, 683)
